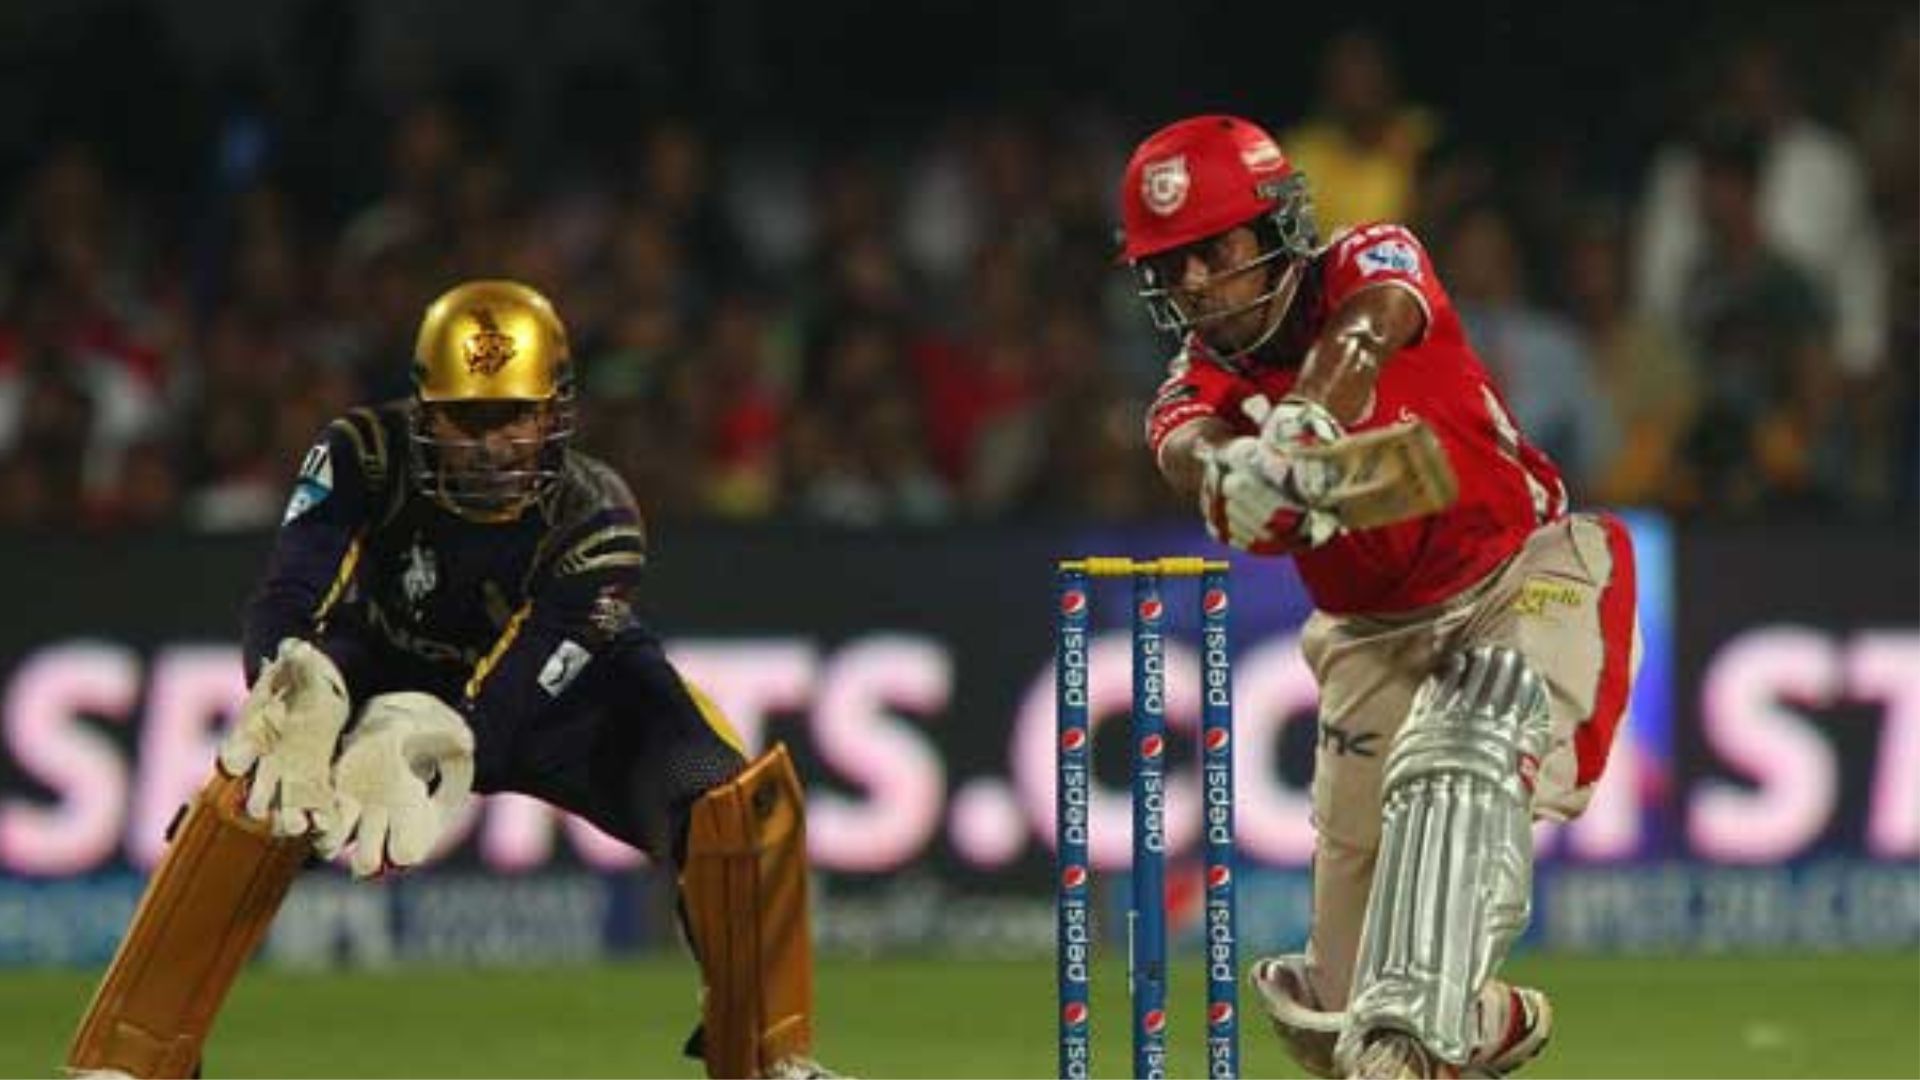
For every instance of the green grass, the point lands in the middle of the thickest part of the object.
(1852, 1015)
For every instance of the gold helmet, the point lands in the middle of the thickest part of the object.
(493, 393)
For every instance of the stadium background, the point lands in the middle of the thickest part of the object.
(839, 278)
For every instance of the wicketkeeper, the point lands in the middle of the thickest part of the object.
(448, 608)
(1474, 642)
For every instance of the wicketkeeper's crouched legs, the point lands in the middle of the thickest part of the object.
(1453, 875)
(648, 758)
(205, 909)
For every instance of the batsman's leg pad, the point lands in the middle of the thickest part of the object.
(744, 888)
(205, 909)
(1452, 884)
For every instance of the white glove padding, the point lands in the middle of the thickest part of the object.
(1247, 501)
(384, 801)
(286, 736)
(1297, 421)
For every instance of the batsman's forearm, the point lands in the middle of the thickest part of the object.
(1180, 456)
(1343, 366)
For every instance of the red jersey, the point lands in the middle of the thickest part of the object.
(1507, 486)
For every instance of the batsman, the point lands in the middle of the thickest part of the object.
(448, 608)
(1474, 641)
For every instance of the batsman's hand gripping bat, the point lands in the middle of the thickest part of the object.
(1378, 477)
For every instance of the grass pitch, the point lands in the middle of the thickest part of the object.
(1845, 1015)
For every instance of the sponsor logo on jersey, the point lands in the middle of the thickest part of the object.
(1539, 594)
(1389, 257)
(562, 667)
(1164, 184)
(314, 483)
(1348, 743)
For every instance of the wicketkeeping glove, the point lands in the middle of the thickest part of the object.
(286, 736)
(400, 783)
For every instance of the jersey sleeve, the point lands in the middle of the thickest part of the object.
(1383, 254)
(1194, 390)
(317, 549)
(579, 604)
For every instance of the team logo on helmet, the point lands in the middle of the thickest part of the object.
(1164, 184)
(1073, 602)
(1217, 739)
(1074, 876)
(1152, 747)
(1073, 738)
(1154, 1022)
(1075, 1013)
(1219, 1013)
(1215, 602)
(1151, 610)
(1219, 877)
(487, 349)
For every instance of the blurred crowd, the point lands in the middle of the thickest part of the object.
(931, 328)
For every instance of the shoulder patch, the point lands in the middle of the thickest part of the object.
(1390, 256)
(563, 666)
(314, 483)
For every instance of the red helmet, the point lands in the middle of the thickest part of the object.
(1198, 178)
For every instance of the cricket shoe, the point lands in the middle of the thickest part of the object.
(1306, 1029)
(1396, 1055)
(1515, 1023)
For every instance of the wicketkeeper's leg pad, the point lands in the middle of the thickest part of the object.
(205, 908)
(1453, 878)
(744, 889)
